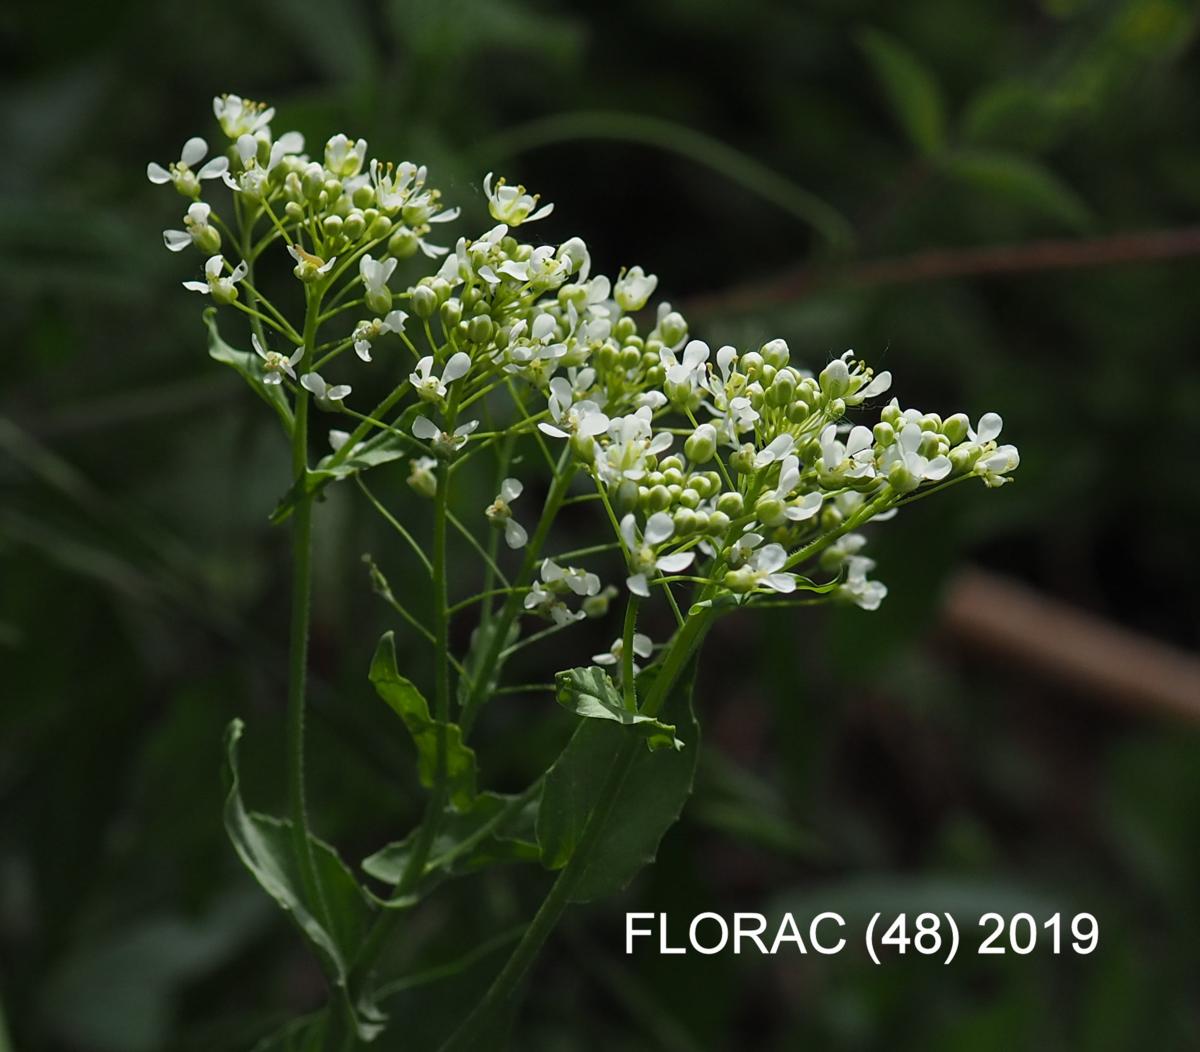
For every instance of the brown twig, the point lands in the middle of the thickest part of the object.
(1098, 659)
(939, 264)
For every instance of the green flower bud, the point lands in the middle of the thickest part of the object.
(656, 376)
(731, 504)
(421, 476)
(901, 479)
(701, 445)
(685, 521)
(441, 288)
(701, 523)
(624, 329)
(885, 434)
(955, 428)
(479, 330)
(739, 581)
(673, 329)
(379, 300)
(776, 353)
(930, 422)
(752, 363)
(597, 605)
(835, 379)
(605, 356)
(672, 476)
(403, 243)
(669, 462)
(676, 491)
(293, 211)
(659, 499)
(379, 227)
(354, 226)
(630, 358)
(208, 240)
(583, 448)
(363, 196)
(451, 311)
(963, 458)
(718, 523)
(837, 408)
(742, 461)
(770, 510)
(625, 499)
(424, 301)
(689, 498)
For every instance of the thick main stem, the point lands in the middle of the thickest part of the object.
(472, 1031)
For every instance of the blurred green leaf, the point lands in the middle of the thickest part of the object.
(648, 801)
(910, 89)
(495, 828)
(1013, 114)
(410, 705)
(1023, 181)
(590, 693)
(246, 365)
(338, 923)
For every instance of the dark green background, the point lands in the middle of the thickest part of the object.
(853, 761)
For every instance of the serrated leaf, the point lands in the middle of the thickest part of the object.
(590, 693)
(337, 924)
(910, 89)
(246, 365)
(1023, 181)
(494, 829)
(648, 801)
(410, 705)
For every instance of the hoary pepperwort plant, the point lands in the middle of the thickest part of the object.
(728, 479)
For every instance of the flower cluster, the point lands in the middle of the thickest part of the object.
(735, 471)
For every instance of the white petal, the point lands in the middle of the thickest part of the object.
(514, 534)
(780, 582)
(938, 468)
(637, 585)
(258, 347)
(551, 430)
(425, 428)
(457, 367)
(217, 166)
(511, 489)
(176, 240)
(313, 383)
(989, 428)
(659, 528)
(675, 563)
(193, 151)
(156, 173)
(770, 558)
(197, 286)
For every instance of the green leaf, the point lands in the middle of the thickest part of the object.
(382, 448)
(494, 829)
(1022, 180)
(1017, 115)
(410, 705)
(589, 692)
(648, 801)
(246, 364)
(335, 926)
(911, 90)
(482, 640)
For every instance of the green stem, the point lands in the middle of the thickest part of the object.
(630, 696)
(473, 1031)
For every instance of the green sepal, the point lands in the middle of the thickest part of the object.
(337, 924)
(591, 693)
(648, 800)
(248, 366)
(410, 705)
(495, 829)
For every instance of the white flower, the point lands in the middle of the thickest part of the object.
(877, 386)
(993, 467)
(366, 332)
(631, 441)
(642, 557)
(422, 475)
(222, 288)
(428, 387)
(238, 116)
(689, 372)
(778, 448)
(321, 391)
(344, 158)
(574, 253)
(581, 582)
(857, 589)
(444, 444)
(180, 173)
(499, 513)
(905, 466)
(570, 417)
(275, 365)
(853, 459)
(309, 267)
(764, 569)
(197, 230)
(511, 204)
(543, 267)
(789, 478)
(252, 179)
(987, 430)
(642, 647)
(634, 287)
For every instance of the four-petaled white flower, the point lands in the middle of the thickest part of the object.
(511, 204)
(324, 393)
(444, 444)
(366, 332)
(499, 513)
(632, 440)
(642, 557)
(345, 158)
(686, 373)
(426, 383)
(765, 566)
(906, 467)
(276, 365)
(857, 589)
(778, 448)
(252, 179)
(642, 647)
(187, 181)
(308, 266)
(571, 417)
(852, 459)
(789, 478)
(221, 287)
(634, 287)
(375, 274)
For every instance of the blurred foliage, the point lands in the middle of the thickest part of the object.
(143, 598)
